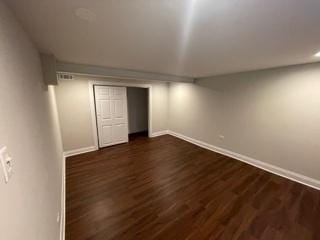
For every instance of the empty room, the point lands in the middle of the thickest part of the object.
(160, 119)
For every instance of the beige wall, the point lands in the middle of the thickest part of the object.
(137, 109)
(74, 109)
(74, 113)
(29, 128)
(194, 111)
(271, 115)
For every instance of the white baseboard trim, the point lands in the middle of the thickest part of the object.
(311, 182)
(160, 133)
(63, 200)
(80, 151)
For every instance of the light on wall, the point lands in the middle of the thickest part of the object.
(317, 54)
(85, 14)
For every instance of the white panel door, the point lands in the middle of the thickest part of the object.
(111, 110)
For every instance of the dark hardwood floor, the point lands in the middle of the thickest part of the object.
(166, 188)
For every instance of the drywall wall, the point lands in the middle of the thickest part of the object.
(194, 111)
(29, 128)
(74, 113)
(74, 109)
(137, 109)
(270, 115)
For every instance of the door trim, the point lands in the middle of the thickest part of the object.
(116, 84)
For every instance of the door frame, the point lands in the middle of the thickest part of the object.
(92, 83)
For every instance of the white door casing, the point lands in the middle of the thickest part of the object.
(112, 116)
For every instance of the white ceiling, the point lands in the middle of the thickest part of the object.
(192, 38)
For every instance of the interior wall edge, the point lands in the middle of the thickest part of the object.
(98, 71)
(310, 182)
(63, 200)
(287, 67)
(78, 151)
(159, 133)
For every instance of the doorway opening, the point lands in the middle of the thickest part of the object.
(137, 112)
(121, 113)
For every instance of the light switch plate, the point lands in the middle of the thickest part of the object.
(6, 163)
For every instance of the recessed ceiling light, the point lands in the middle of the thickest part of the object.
(85, 14)
(317, 54)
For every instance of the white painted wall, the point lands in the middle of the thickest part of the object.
(74, 113)
(271, 115)
(74, 109)
(137, 109)
(194, 111)
(29, 128)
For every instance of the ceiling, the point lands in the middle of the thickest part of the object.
(193, 38)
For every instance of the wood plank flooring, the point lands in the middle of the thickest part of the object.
(166, 188)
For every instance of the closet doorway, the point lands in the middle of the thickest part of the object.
(121, 113)
(137, 111)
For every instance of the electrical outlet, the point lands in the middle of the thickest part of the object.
(6, 163)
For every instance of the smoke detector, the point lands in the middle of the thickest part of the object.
(85, 14)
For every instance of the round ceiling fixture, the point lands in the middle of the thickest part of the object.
(85, 14)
